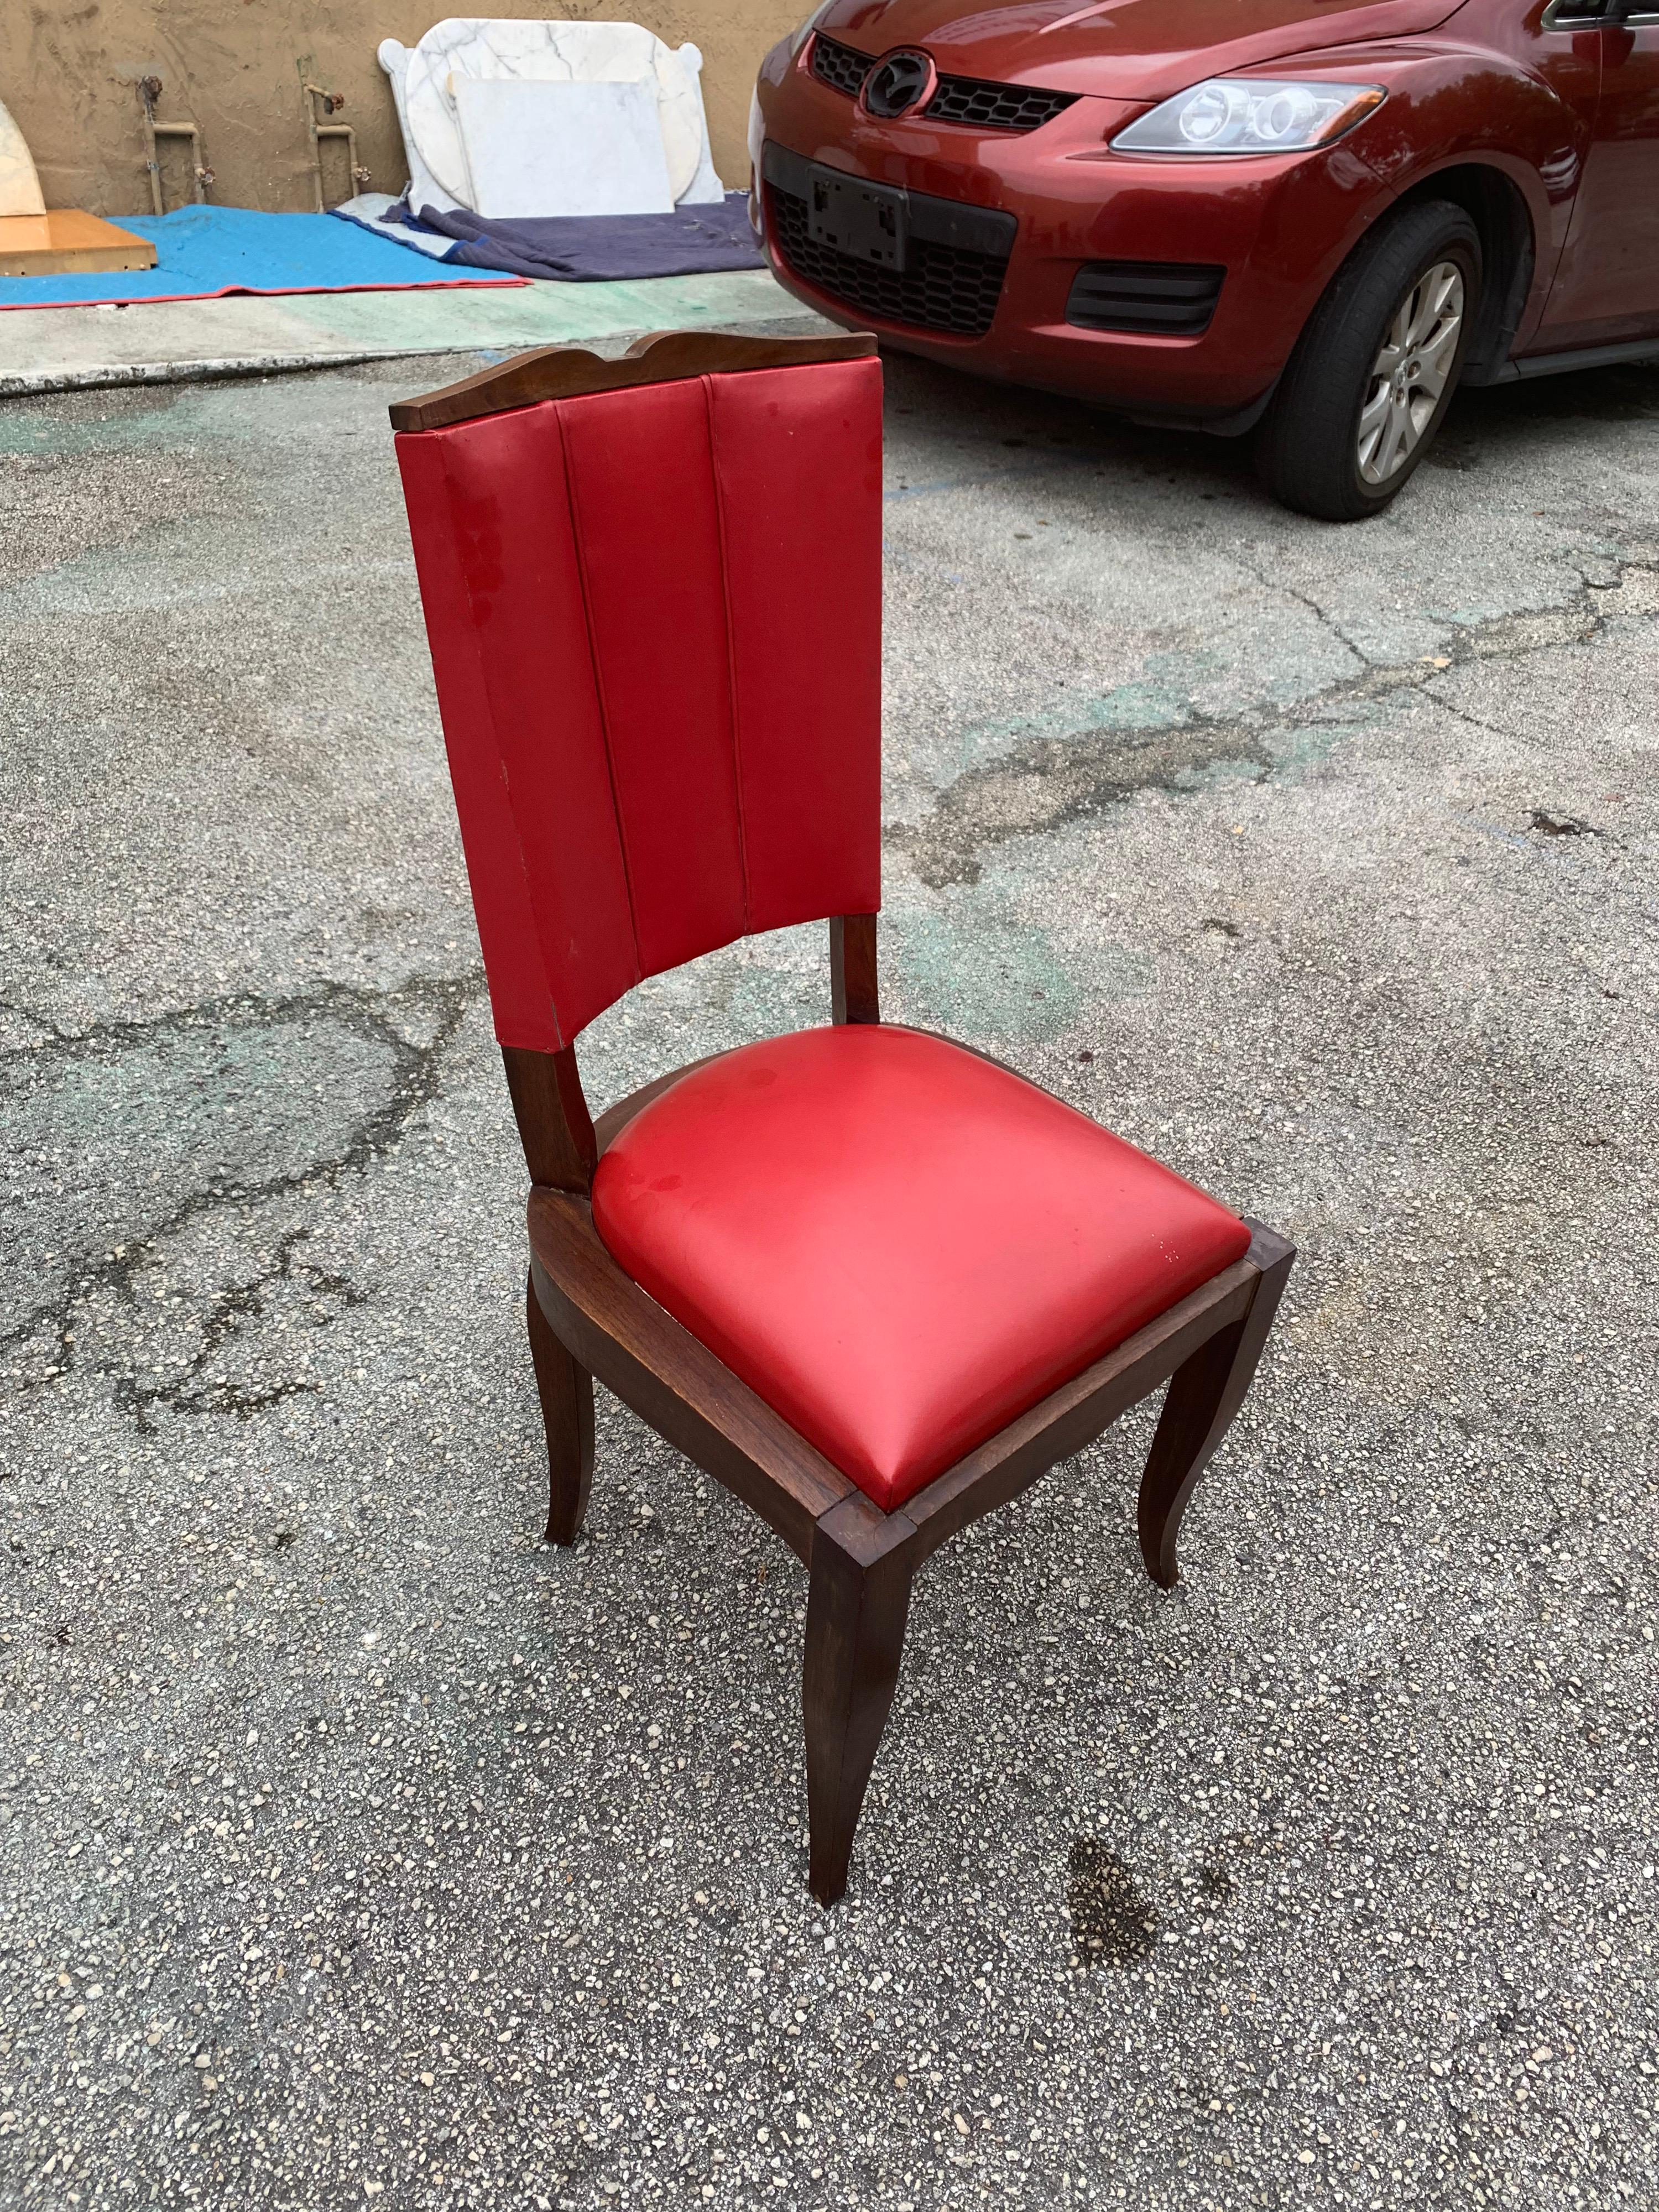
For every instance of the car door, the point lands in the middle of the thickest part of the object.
(1607, 283)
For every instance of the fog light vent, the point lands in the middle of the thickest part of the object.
(1170, 299)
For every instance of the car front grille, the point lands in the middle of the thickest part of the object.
(968, 99)
(994, 107)
(942, 288)
(843, 68)
(1168, 299)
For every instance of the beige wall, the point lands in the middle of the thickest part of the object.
(68, 70)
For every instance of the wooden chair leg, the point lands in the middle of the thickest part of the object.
(566, 1394)
(1204, 1395)
(856, 1606)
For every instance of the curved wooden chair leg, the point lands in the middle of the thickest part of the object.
(856, 1606)
(566, 1389)
(1204, 1395)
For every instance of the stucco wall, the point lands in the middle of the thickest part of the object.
(68, 69)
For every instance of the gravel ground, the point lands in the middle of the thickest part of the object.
(356, 1849)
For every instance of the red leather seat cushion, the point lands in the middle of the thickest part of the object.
(897, 1245)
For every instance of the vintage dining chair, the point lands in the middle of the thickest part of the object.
(874, 1282)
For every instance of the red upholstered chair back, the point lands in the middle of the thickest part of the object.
(655, 613)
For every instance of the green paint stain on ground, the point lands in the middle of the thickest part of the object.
(1138, 706)
(974, 975)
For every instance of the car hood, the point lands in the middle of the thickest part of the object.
(1123, 49)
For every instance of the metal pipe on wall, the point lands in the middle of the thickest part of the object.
(331, 101)
(149, 91)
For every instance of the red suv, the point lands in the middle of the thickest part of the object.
(1298, 215)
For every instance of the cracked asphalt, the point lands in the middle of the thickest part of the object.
(358, 1849)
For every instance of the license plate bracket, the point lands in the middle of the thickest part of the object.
(869, 222)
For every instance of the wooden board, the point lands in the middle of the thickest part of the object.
(571, 372)
(65, 242)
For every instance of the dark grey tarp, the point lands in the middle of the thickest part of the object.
(578, 249)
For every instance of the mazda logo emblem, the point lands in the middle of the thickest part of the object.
(899, 83)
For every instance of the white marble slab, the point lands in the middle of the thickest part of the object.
(424, 189)
(20, 188)
(465, 47)
(537, 149)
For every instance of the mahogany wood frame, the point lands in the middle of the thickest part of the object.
(587, 1319)
(571, 372)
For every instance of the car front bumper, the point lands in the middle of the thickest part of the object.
(1277, 227)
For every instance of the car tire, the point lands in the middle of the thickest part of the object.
(1345, 432)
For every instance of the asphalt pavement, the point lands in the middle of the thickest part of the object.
(358, 1850)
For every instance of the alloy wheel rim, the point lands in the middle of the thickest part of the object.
(1408, 377)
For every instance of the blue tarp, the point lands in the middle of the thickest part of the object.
(202, 252)
(592, 249)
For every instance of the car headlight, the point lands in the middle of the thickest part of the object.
(1249, 115)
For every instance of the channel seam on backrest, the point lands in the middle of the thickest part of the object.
(475, 646)
(708, 384)
(574, 506)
